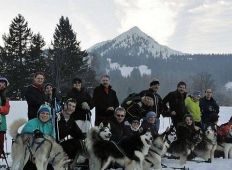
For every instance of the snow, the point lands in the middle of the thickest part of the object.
(19, 110)
(144, 70)
(228, 86)
(126, 70)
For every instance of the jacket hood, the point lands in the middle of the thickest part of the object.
(44, 108)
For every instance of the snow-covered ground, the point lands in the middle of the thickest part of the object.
(19, 110)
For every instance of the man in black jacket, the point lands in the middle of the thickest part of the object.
(34, 95)
(83, 98)
(105, 100)
(176, 103)
(208, 106)
(68, 134)
(117, 124)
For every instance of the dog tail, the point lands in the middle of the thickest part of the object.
(13, 130)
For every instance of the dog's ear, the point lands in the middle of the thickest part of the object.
(101, 125)
(108, 125)
(215, 127)
(163, 135)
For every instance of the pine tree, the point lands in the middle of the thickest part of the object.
(22, 55)
(69, 60)
(2, 61)
(37, 60)
(16, 45)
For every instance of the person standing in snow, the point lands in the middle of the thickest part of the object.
(4, 110)
(175, 100)
(105, 100)
(193, 108)
(34, 95)
(82, 114)
(209, 107)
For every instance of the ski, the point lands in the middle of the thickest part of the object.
(170, 167)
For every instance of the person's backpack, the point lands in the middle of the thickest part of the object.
(130, 99)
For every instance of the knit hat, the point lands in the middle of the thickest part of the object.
(44, 108)
(4, 79)
(196, 94)
(48, 84)
(187, 115)
(154, 82)
(150, 114)
(76, 80)
(149, 94)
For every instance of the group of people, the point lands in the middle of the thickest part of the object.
(68, 121)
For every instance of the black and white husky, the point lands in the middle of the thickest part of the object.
(130, 152)
(183, 148)
(158, 148)
(206, 148)
(42, 150)
(95, 134)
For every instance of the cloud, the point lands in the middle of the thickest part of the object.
(204, 27)
(156, 18)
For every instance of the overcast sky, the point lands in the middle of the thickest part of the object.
(195, 26)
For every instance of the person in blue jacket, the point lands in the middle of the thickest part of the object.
(42, 123)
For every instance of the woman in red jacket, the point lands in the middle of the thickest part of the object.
(4, 110)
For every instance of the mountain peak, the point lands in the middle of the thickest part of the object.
(135, 29)
(134, 42)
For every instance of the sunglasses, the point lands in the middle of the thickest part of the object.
(137, 122)
(120, 115)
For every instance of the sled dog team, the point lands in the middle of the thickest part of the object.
(137, 152)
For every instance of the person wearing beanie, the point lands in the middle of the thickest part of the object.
(139, 108)
(51, 98)
(84, 104)
(34, 95)
(39, 126)
(48, 91)
(4, 110)
(149, 122)
(42, 123)
(157, 108)
(193, 108)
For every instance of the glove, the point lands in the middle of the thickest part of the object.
(38, 133)
(140, 104)
(129, 102)
(85, 106)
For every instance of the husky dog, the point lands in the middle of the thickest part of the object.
(158, 148)
(42, 150)
(226, 146)
(206, 148)
(183, 148)
(130, 152)
(95, 134)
